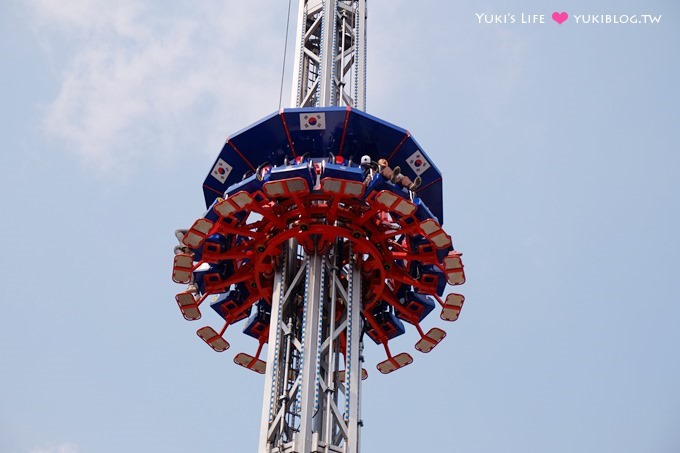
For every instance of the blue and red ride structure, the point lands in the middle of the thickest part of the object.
(298, 174)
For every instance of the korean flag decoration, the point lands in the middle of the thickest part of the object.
(418, 163)
(221, 170)
(313, 121)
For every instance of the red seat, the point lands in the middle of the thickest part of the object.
(286, 187)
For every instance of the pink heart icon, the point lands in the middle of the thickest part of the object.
(560, 17)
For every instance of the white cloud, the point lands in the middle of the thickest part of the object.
(144, 80)
(62, 448)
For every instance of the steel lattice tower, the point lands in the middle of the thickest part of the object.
(317, 243)
(306, 407)
(330, 57)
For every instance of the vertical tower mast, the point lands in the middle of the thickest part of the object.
(315, 240)
(330, 57)
(313, 378)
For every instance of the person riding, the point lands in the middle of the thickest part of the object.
(397, 177)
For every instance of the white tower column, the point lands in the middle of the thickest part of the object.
(330, 54)
(313, 377)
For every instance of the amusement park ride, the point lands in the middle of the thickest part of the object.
(313, 245)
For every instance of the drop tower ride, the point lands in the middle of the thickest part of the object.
(323, 228)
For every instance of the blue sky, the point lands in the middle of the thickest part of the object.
(559, 147)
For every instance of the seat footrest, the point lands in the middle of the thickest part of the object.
(394, 363)
(431, 339)
(212, 339)
(183, 268)
(188, 305)
(250, 362)
(453, 266)
(198, 233)
(452, 306)
(342, 375)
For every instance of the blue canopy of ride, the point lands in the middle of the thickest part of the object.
(316, 133)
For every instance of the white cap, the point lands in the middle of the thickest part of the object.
(365, 159)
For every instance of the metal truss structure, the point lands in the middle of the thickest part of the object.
(312, 388)
(313, 240)
(330, 62)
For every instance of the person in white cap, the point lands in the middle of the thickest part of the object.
(368, 167)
